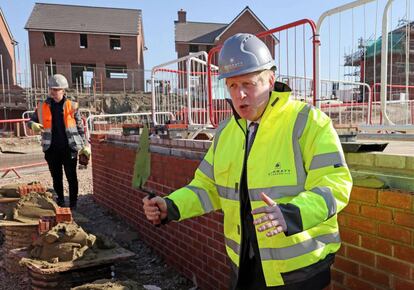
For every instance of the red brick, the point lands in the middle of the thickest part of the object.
(63, 214)
(361, 256)
(346, 266)
(342, 219)
(400, 284)
(404, 253)
(352, 208)
(404, 219)
(376, 244)
(398, 268)
(375, 276)
(395, 233)
(342, 250)
(361, 224)
(337, 276)
(364, 194)
(350, 236)
(336, 286)
(357, 284)
(377, 213)
(396, 199)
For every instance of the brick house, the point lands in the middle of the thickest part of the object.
(192, 37)
(7, 44)
(92, 46)
(370, 53)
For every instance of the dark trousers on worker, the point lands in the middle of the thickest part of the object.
(66, 159)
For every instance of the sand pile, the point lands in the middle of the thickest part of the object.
(33, 206)
(105, 284)
(64, 242)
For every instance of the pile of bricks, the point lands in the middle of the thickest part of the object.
(23, 235)
(28, 188)
(46, 223)
(63, 215)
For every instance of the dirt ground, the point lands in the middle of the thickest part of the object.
(146, 268)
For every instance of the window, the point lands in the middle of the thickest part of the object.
(115, 42)
(193, 48)
(116, 72)
(83, 41)
(82, 74)
(49, 38)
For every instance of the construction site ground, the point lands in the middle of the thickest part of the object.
(146, 267)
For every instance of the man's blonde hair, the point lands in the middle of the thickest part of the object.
(263, 75)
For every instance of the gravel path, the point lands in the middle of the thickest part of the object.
(146, 267)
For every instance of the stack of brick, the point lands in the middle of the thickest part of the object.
(45, 224)
(63, 215)
(27, 188)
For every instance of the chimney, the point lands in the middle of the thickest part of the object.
(182, 16)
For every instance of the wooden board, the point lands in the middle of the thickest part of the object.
(105, 257)
(6, 223)
(8, 199)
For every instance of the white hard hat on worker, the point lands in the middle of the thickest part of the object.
(248, 67)
(57, 85)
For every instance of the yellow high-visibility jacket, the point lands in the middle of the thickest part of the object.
(297, 160)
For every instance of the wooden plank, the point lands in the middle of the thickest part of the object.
(6, 223)
(9, 199)
(103, 257)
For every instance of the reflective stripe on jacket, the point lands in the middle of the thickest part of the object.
(44, 115)
(297, 160)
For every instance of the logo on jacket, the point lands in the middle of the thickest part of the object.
(279, 170)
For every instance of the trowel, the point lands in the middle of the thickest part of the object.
(142, 166)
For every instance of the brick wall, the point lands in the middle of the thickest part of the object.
(377, 227)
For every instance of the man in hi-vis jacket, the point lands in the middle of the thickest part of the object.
(277, 171)
(58, 120)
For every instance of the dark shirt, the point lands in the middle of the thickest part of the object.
(59, 138)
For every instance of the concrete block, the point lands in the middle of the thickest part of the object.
(160, 150)
(364, 159)
(181, 143)
(174, 143)
(189, 143)
(409, 163)
(390, 161)
(199, 144)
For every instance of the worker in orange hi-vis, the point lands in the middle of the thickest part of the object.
(63, 137)
(277, 171)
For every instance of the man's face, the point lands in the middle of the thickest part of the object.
(57, 94)
(250, 93)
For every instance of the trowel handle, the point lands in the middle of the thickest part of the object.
(151, 195)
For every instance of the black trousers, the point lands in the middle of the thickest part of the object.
(66, 159)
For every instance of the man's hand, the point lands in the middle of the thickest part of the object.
(272, 219)
(86, 150)
(155, 209)
(37, 127)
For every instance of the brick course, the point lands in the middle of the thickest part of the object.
(377, 229)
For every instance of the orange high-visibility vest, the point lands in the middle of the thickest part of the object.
(45, 118)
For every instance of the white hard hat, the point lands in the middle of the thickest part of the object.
(243, 53)
(58, 81)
